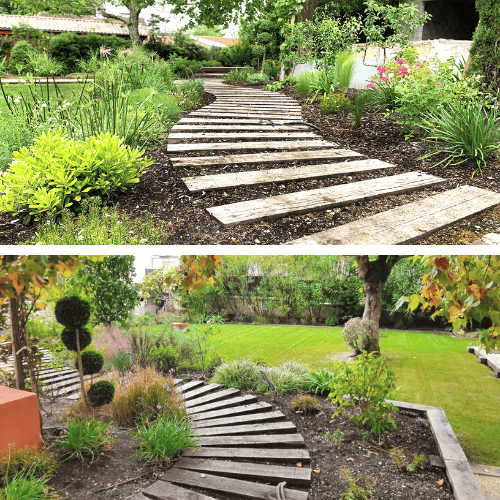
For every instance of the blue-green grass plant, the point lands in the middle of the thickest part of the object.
(344, 69)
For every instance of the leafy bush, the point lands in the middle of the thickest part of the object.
(241, 373)
(257, 78)
(121, 361)
(101, 393)
(41, 64)
(358, 333)
(25, 485)
(84, 438)
(192, 86)
(92, 362)
(462, 132)
(68, 338)
(42, 462)
(188, 50)
(332, 321)
(15, 135)
(237, 75)
(72, 311)
(320, 382)
(57, 172)
(368, 383)
(20, 57)
(165, 105)
(334, 103)
(236, 55)
(163, 439)
(305, 404)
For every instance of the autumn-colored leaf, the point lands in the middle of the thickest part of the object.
(370, 452)
(299, 464)
(455, 312)
(15, 279)
(316, 471)
(350, 459)
(440, 482)
(441, 263)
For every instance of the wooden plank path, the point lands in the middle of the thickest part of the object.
(245, 450)
(247, 119)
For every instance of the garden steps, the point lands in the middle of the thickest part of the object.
(247, 429)
(211, 398)
(247, 398)
(256, 177)
(189, 386)
(178, 137)
(241, 419)
(232, 411)
(409, 223)
(264, 454)
(167, 491)
(250, 114)
(201, 391)
(242, 121)
(303, 202)
(231, 128)
(491, 359)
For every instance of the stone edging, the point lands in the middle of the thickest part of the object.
(484, 360)
(458, 470)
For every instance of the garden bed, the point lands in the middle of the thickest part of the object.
(162, 193)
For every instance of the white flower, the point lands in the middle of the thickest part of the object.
(17, 99)
(390, 75)
(44, 105)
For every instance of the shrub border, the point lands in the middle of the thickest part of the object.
(484, 360)
(458, 469)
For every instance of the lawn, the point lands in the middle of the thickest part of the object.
(431, 369)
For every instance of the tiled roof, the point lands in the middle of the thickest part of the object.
(221, 39)
(61, 24)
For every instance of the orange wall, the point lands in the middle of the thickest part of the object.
(19, 420)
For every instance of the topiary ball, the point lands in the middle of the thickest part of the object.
(68, 337)
(72, 312)
(101, 393)
(92, 362)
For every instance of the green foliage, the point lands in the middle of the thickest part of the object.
(463, 131)
(68, 338)
(97, 225)
(92, 362)
(186, 68)
(360, 333)
(257, 78)
(188, 49)
(57, 172)
(163, 439)
(121, 361)
(360, 488)
(334, 103)
(332, 321)
(20, 57)
(305, 404)
(25, 485)
(110, 286)
(101, 393)
(162, 105)
(72, 312)
(336, 437)
(320, 382)
(236, 55)
(345, 66)
(368, 383)
(41, 64)
(203, 348)
(403, 462)
(84, 438)
(303, 85)
(358, 108)
(192, 86)
(15, 135)
(42, 462)
(484, 53)
(238, 75)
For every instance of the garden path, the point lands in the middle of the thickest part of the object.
(252, 127)
(239, 437)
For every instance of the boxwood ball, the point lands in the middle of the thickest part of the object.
(101, 393)
(92, 362)
(68, 337)
(72, 312)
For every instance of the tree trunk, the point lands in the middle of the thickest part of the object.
(16, 343)
(133, 23)
(80, 370)
(373, 307)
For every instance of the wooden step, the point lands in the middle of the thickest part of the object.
(408, 223)
(178, 137)
(267, 115)
(167, 491)
(231, 128)
(217, 396)
(226, 403)
(265, 454)
(259, 440)
(237, 410)
(241, 121)
(230, 146)
(242, 489)
(256, 177)
(252, 418)
(234, 430)
(253, 108)
(194, 384)
(294, 476)
(303, 202)
(202, 161)
(201, 391)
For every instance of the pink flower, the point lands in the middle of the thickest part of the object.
(370, 85)
(400, 61)
(381, 69)
(383, 78)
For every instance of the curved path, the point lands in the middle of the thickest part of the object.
(252, 127)
(247, 451)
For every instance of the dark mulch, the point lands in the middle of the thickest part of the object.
(162, 193)
(75, 481)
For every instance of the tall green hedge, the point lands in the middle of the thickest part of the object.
(485, 50)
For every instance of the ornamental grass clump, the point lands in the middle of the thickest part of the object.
(42, 462)
(25, 485)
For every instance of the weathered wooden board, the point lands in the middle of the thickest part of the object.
(225, 108)
(252, 418)
(409, 223)
(485, 470)
(201, 391)
(313, 200)
(243, 489)
(189, 386)
(226, 403)
(234, 430)
(463, 482)
(329, 154)
(252, 101)
(178, 137)
(254, 177)
(233, 127)
(237, 410)
(262, 440)
(235, 146)
(167, 491)
(266, 115)
(216, 396)
(265, 454)
(295, 476)
(240, 121)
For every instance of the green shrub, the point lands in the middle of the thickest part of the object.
(359, 333)
(163, 439)
(303, 85)
(92, 362)
(41, 64)
(334, 103)
(367, 383)
(57, 172)
(15, 135)
(42, 462)
(237, 75)
(84, 438)
(236, 55)
(164, 105)
(241, 373)
(192, 86)
(19, 60)
(101, 393)
(257, 78)
(332, 321)
(26, 486)
(320, 382)
(72, 311)
(121, 361)
(68, 338)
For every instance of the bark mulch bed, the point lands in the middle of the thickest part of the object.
(162, 193)
(370, 458)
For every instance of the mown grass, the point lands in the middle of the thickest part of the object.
(431, 369)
